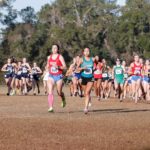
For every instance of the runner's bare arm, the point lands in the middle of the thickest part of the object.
(79, 65)
(130, 69)
(63, 63)
(29, 68)
(43, 74)
(113, 76)
(16, 67)
(68, 72)
(4, 68)
(47, 64)
(143, 71)
(39, 70)
(93, 59)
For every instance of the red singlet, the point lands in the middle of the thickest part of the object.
(137, 70)
(98, 72)
(53, 70)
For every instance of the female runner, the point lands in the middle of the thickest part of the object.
(136, 72)
(18, 81)
(125, 88)
(45, 77)
(97, 77)
(86, 67)
(56, 65)
(105, 79)
(8, 69)
(35, 72)
(118, 76)
(25, 75)
(146, 79)
(13, 87)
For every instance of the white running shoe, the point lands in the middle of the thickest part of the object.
(50, 109)
(90, 104)
(85, 111)
(12, 93)
(98, 98)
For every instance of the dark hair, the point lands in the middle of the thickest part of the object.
(84, 49)
(118, 59)
(98, 59)
(8, 58)
(87, 48)
(58, 47)
(136, 55)
(13, 59)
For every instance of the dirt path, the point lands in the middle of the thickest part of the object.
(25, 124)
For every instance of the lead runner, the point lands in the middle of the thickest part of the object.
(55, 65)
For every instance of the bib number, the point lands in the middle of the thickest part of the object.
(34, 72)
(24, 70)
(9, 70)
(125, 75)
(118, 71)
(110, 75)
(88, 71)
(54, 70)
(19, 72)
(97, 72)
(137, 72)
(104, 75)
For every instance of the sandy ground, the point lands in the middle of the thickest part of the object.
(25, 124)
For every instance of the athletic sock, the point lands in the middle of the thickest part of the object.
(50, 100)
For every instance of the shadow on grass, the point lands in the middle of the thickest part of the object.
(120, 110)
(105, 111)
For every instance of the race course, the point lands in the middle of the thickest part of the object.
(25, 124)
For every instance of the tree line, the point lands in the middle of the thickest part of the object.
(109, 30)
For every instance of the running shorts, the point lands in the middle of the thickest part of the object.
(86, 80)
(56, 77)
(136, 78)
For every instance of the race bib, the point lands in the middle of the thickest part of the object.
(24, 70)
(110, 75)
(137, 72)
(19, 73)
(125, 75)
(105, 75)
(118, 71)
(31, 76)
(88, 71)
(97, 72)
(9, 70)
(34, 72)
(54, 70)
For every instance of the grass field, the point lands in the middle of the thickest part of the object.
(25, 124)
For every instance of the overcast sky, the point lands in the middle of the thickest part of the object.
(37, 4)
